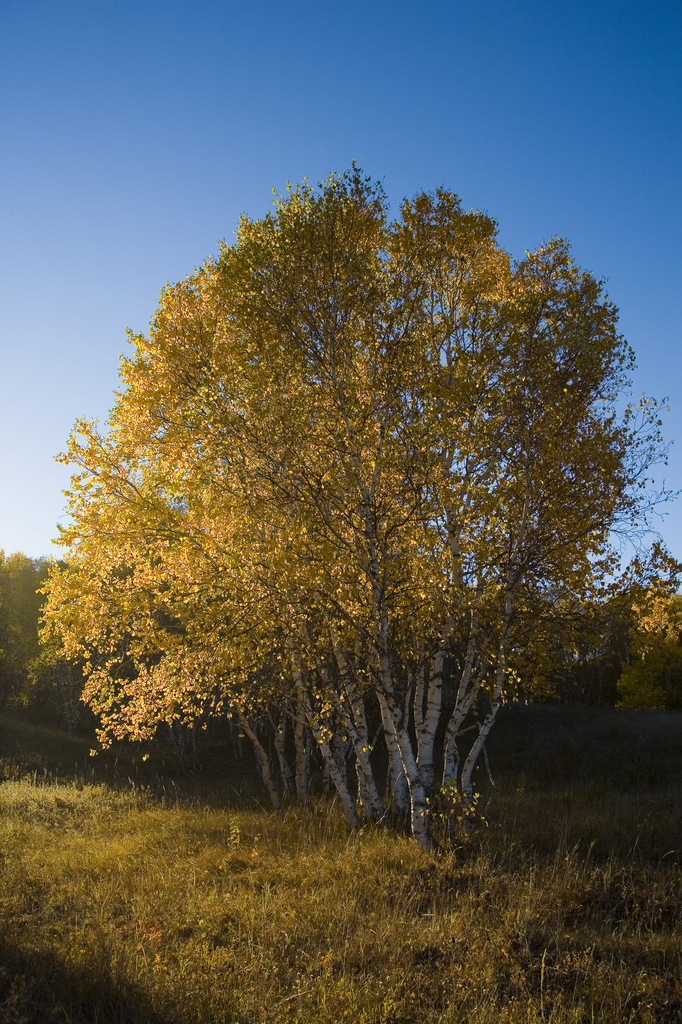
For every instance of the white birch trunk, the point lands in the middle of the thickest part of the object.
(368, 793)
(280, 746)
(466, 695)
(399, 735)
(355, 720)
(472, 757)
(426, 734)
(338, 746)
(264, 760)
(419, 691)
(486, 726)
(450, 749)
(322, 736)
(337, 777)
(396, 782)
(477, 747)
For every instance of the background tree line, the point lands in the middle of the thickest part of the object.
(32, 672)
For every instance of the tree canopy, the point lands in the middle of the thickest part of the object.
(353, 455)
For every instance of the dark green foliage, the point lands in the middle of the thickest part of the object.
(32, 673)
(20, 603)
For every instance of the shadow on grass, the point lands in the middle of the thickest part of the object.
(39, 988)
(33, 743)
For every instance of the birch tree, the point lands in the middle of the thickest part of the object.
(351, 454)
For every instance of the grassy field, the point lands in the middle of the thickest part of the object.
(124, 903)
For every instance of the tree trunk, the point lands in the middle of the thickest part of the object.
(356, 724)
(235, 740)
(337, 777)
(195, 748)
(419, 691)
(418, 800)
(262, 755)
(426, 735)
(396, 784)
(280, 746)
(466, 695)
(472, 756)
(302, 753)
(338, 747)
(355, 720)
(322, 737)
(176, 738)
(450, 750)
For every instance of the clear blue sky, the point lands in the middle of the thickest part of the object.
(133, 134)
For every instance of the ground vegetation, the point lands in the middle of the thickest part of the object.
(136, 900)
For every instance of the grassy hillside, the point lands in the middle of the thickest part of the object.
(128, 904)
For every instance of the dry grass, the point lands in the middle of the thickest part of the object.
(118, 905)
(120, 908)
